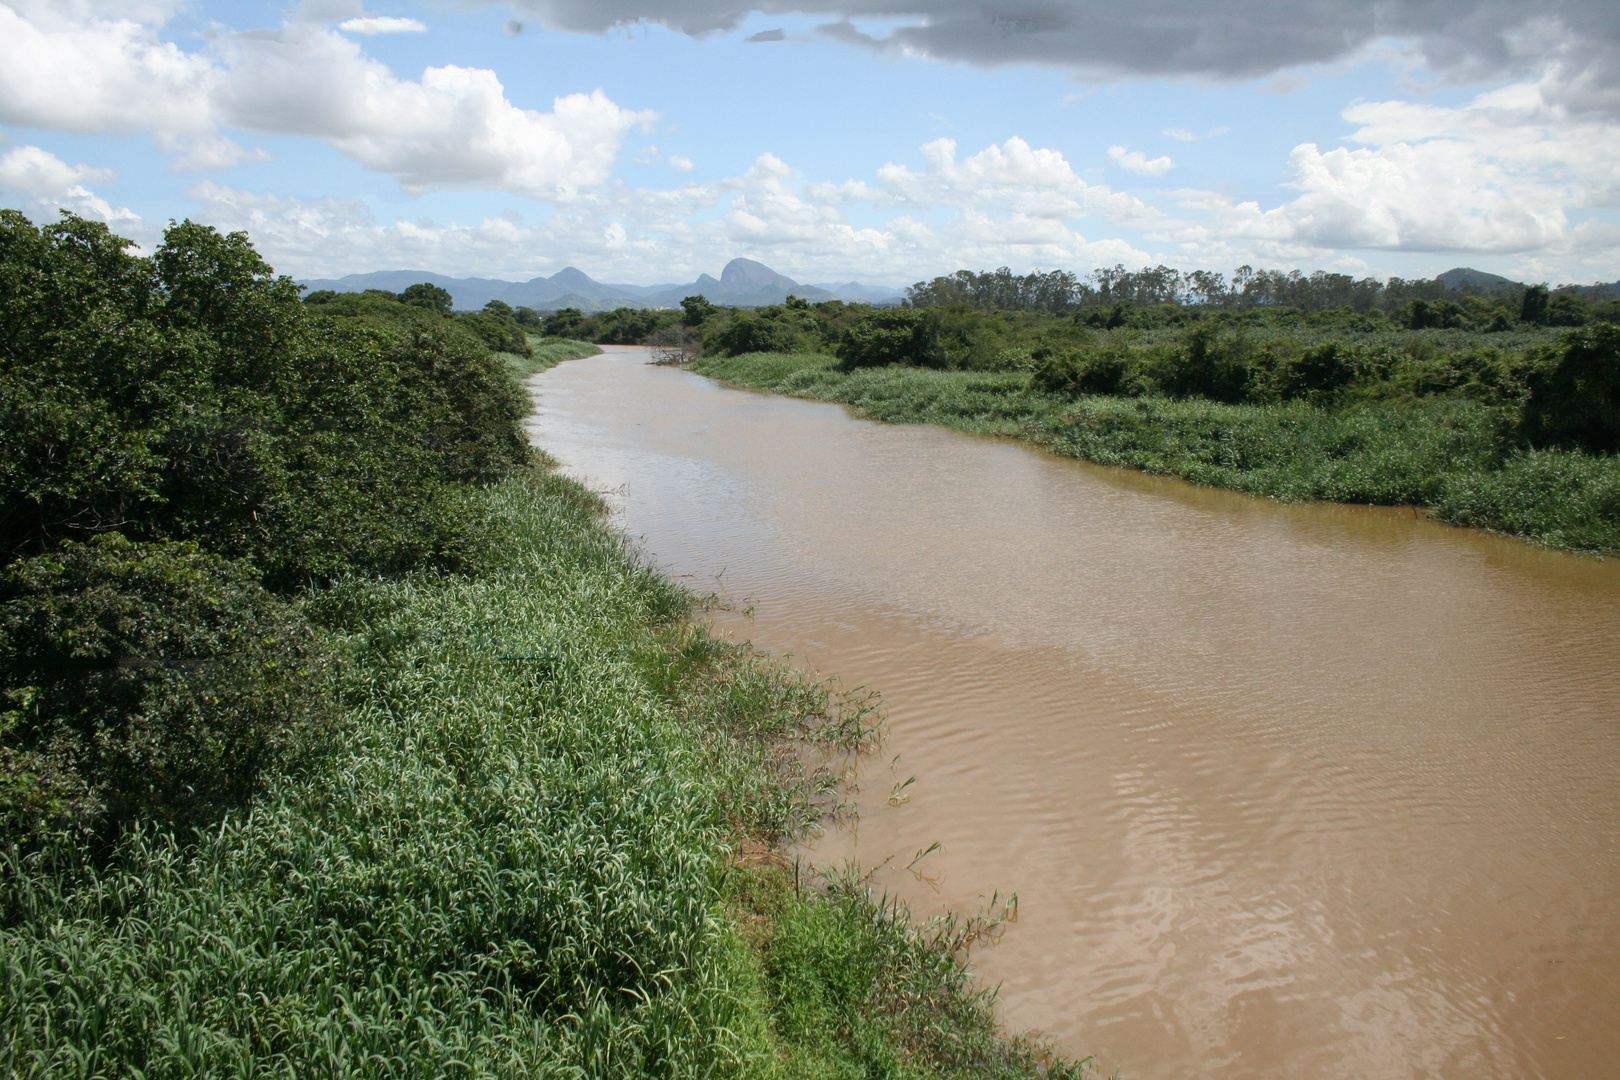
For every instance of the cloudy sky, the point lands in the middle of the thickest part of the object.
(882, 140)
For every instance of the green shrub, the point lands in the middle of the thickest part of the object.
(891, 336)
(144, 681)
(752, 334)
(1575, 391)
(1090, 371)
(191, 396)
(498, 331)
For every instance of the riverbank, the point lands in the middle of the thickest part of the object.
(1450, 456)
(517, 850)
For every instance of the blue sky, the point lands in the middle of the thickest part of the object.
(649, 140)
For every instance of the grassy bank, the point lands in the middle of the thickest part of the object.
(340, 738)
(514, 856)
(546, 353)
(1452, 455)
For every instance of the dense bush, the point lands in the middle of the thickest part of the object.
(191, 396)
(1575, 391)
(892, 336)
(143, 681)
(497, 330)
(752, 334)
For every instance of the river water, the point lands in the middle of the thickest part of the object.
(1284, 791)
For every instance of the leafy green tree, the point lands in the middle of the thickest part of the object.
(696, 310)
(500, 309)
(753, 334)
(191, 396)
(1533, 305)
(428, 296)
(564, 322)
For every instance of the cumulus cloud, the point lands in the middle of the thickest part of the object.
(1012, 178)
(33, 171)
(1242, 39)
(43, 183)
(454, 127)
(100, 75)
(764, 213)
(1138, 162)
(1511, 173)
(382, 24)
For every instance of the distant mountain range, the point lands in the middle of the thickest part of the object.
(743, 283)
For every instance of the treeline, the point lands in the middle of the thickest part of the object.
(499, 326)
(1416, 303)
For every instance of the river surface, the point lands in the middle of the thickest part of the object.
(1284, 791)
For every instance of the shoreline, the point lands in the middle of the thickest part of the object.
(1295, 453)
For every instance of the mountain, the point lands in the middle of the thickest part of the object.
(743, 283)
(1462, 277)
(865, 294)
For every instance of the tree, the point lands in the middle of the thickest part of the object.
(697, 310)
(1533, 305)
(428, 296)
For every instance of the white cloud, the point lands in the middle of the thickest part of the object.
(100, 75)
(207, 151)
(1138, 162)
(1012, 178)
(1508, 174)
(382, 24)
(32, 171)
(1026, 200)
(681, 163)
(43, 183)
(452, 128)
(1187, 135)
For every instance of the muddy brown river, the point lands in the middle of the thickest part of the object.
(1284, 791)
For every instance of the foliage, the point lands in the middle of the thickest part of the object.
(1574, 391)
(891, 336)
(749, 333)
(427, 295)
(190, 396)
(621, 326)
(500, 332)
(143, 681)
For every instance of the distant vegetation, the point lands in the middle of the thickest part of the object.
(1499, 411)
(339, 737)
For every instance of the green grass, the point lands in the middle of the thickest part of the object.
(516, 857)
(1455, 456)
(547, 353)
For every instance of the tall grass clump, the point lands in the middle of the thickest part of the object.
(546, 353)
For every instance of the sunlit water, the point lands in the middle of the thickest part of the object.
(1284, 791)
